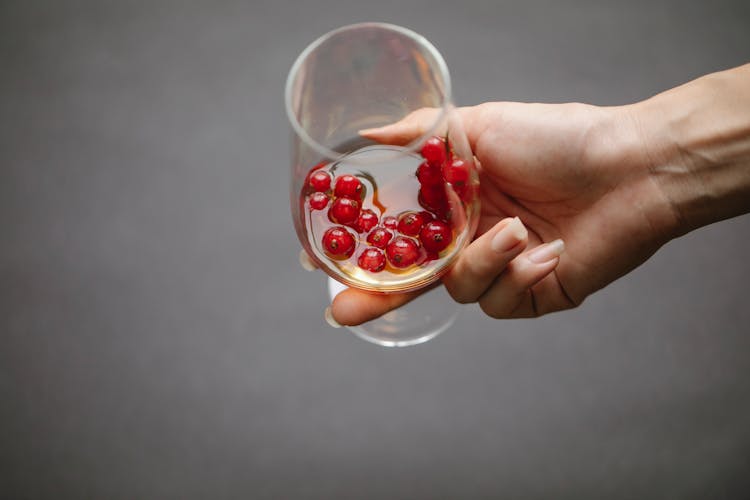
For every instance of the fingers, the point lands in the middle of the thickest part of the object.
(508, 279)
(509, 295)
(484, 259)
(353, 307)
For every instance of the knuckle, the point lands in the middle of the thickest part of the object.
(493, 309)
(459, 293)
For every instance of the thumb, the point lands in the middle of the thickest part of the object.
(353, 307)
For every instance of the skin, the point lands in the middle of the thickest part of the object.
(613, 183)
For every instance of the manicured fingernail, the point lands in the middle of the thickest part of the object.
(305, 261)
(509, 236)
(328, 315)
(547, 252)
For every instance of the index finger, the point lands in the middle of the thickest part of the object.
(417, 123)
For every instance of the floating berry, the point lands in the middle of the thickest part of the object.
(457, 173)
(338, 242)
(379, 237)
(436, 236)
(434, 151)
(372, 259)
(344, 211)
(348, 186)
(409, 223)
(390, 222)
(429, 175)
(367, 220)
(318, 200)
(402, 252)
(320, 181)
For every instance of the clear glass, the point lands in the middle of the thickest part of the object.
(366, 76)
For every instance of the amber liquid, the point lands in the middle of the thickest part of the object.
(390, 189)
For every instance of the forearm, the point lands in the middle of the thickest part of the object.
(696, 143)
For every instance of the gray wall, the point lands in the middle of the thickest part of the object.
(158, 339)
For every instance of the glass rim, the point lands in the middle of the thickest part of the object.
(419, 39)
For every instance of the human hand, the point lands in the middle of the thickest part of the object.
(612, 183)
(542, 183)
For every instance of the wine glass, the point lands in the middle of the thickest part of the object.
(379, 216)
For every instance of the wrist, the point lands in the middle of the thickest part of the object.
(616, 145)
(695, 146)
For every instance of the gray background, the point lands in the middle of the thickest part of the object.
(158, 339)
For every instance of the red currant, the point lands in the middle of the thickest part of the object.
(402, 252)
(318, 200)
(372, 259)
(348, 186)
(429, 175)
(338, 242)
(426, 216)
(367, 220)
(320, 181)
(434, 151)
(379, 237)
(434, 199)
(344, 211)
(430, 256)
(390, 222)
(436, 236)
(457, 173)
(410, 223)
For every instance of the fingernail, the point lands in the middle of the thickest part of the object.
(547, 252)
(328, 315)
(305, 261)
(509, 236)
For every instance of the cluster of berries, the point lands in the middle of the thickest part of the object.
(411, 237)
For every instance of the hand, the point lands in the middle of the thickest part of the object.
(541, 185)
(612, 183)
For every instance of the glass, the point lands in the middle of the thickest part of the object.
(382, 214)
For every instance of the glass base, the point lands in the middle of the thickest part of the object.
(420, 320)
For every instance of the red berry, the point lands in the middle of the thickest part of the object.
(367, 220)
(436, 236)
(402, 252)
(434, 199)
(320, 181)
(348, 186)
(338, 242)
(430, 256)
(379, 237)
(410, 223)
(344, 211)
(457, 173)
(318, 200)
(426, 216)
(434, 151)
(390, 222)
(372, 259)
(429, 175)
